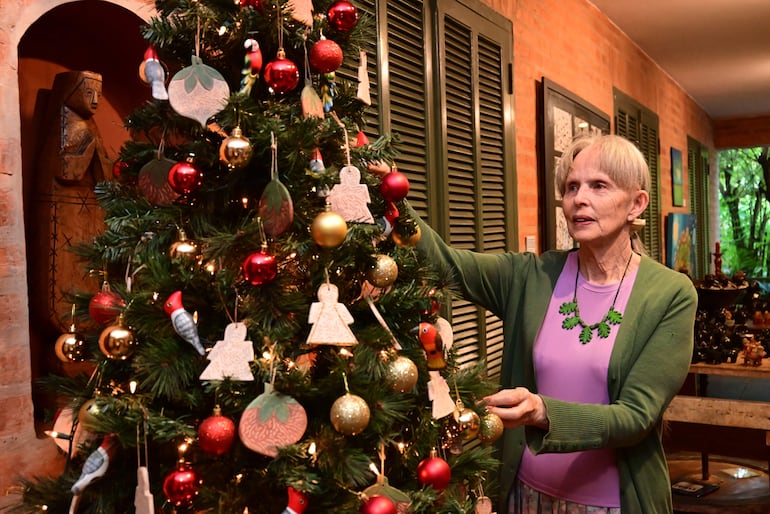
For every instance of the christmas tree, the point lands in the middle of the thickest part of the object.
(265, 337)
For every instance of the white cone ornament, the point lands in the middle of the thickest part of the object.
(198, 91)
(183, 321)
(152, 72)
(96, 464)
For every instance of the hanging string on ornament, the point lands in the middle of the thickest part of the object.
(198, 91)
(235, 151)
(434, 471)
(350, 197)
(381, 321)
(231, 357)
(183, 247)
(309, 99)
(143, 499)
(252, 65)
(276, 208)
(153, 178)
(117, 342)
(281, 74)
(71, 346)
(129, 276)
(349, 413)
(330, 319)
(399, 501)
(483, 502)
(105, 305)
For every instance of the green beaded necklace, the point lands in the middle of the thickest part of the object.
(573, 319)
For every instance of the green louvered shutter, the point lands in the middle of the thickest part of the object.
(640, 125)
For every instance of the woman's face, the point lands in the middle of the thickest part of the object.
(596, 208)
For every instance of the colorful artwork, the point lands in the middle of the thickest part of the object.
(680, 242)
(677, 186)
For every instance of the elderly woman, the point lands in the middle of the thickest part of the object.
(597, 342)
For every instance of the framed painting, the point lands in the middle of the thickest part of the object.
(564, 116)
(676, 178)
(680, 242)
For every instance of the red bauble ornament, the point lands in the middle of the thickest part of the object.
(394, 186)
(256, 4)
(260, 267)
(216, 434)
(105, 305)
(342, 15)
(181, 486)
(378, 505)
(434, 471)
(281, 75)
(325, 56)
(118, 167)
(391, 212)
(185, 177)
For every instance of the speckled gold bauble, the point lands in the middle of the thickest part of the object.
(70, 347)
(490, 429)
(350, 414)
(401, 238)
(384, 272)
(117, 342)
(468, 422)
(329, 229)
(402, 374)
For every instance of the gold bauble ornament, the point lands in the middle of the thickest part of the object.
(88, 415)
(329, 229)
(183, 248)
(402, 374)
(70, 347)
(384, 272)
(468, 423)
(235, 151)
(117, 342)
(490, 429)
(350, 414)
(402, 239)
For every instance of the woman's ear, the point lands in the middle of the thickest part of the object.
(640, 201)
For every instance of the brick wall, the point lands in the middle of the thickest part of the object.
(571, 43)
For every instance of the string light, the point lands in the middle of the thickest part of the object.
(132, 386)
(57, 435)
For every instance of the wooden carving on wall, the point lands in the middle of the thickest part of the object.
(71, 161)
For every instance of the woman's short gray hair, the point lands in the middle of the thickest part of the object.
(618, 158)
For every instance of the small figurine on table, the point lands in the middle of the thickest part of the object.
(753, 351)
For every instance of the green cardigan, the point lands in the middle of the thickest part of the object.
(649, 363)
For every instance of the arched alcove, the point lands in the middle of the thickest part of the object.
(87, 35)
(38, 39)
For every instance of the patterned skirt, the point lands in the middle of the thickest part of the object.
(525, 500)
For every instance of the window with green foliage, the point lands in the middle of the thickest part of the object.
(744, 207)
(698, 185)
(442, 81)
(640, 125)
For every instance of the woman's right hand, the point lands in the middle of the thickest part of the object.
(517, 407)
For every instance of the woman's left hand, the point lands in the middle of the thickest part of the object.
(517, 407)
